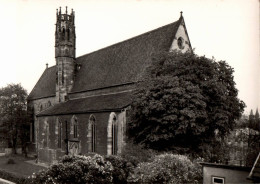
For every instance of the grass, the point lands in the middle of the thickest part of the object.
(20, 168)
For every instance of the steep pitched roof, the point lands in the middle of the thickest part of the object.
(123, 62)
(117, 64)
(112, 102)
(45, 87)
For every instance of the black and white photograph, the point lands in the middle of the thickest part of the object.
(129, 91)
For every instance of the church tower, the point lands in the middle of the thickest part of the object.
(65, 40)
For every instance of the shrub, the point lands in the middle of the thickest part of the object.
(10, 161)
(76, 169)
(136, 154)
(39, 177)
(12, 177)
(167, 168)
(121, 168)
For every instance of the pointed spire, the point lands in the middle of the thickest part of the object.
(251, 112)
(66, 10)
(256, 114)
(60, 10)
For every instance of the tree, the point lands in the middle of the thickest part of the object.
(182, 101)
(254, 138)
(254, 120)
(241, 146)
(13, 116)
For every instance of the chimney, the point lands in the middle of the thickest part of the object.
(46, 65)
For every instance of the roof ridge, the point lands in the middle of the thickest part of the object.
(105, 94)
(134, 37)
(50, 67)
(93, 104)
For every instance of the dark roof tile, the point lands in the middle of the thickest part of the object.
(45, 87)
(110, 102)
(117, 64)
(123, 62)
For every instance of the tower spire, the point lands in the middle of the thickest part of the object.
(251, 112)
(65, 41)
(256, 113)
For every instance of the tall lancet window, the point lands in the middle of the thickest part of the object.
(112, 135)
(59, 132)
(68, 34)
(92, 134)
(46, 134)
(74, 127)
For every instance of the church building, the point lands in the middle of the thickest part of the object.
(80, 104)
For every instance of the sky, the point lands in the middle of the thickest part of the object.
(224, 29)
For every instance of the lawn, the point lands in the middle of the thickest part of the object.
(20, 167)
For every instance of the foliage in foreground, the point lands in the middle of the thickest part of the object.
(121, 168)
(12, 177)
(182, 101)
(135, 153)
(168, 168)
(164, 168)
(76, 169)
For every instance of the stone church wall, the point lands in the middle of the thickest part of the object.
(41, 104)
(49, 132)
(37, 106)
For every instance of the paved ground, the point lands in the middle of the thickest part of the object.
(2, 181)
(22, 167)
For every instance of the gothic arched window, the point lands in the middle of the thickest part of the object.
(68, 34)
(46, 134)
(92, 134)
(74, 127)
(112, 135)
(180, 43)
(59, 132)
(63, 33)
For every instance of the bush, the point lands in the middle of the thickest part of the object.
(76, 169)
(136, 154)
(167, 168)
(12, 177)
(121, 168)
(10, 161)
